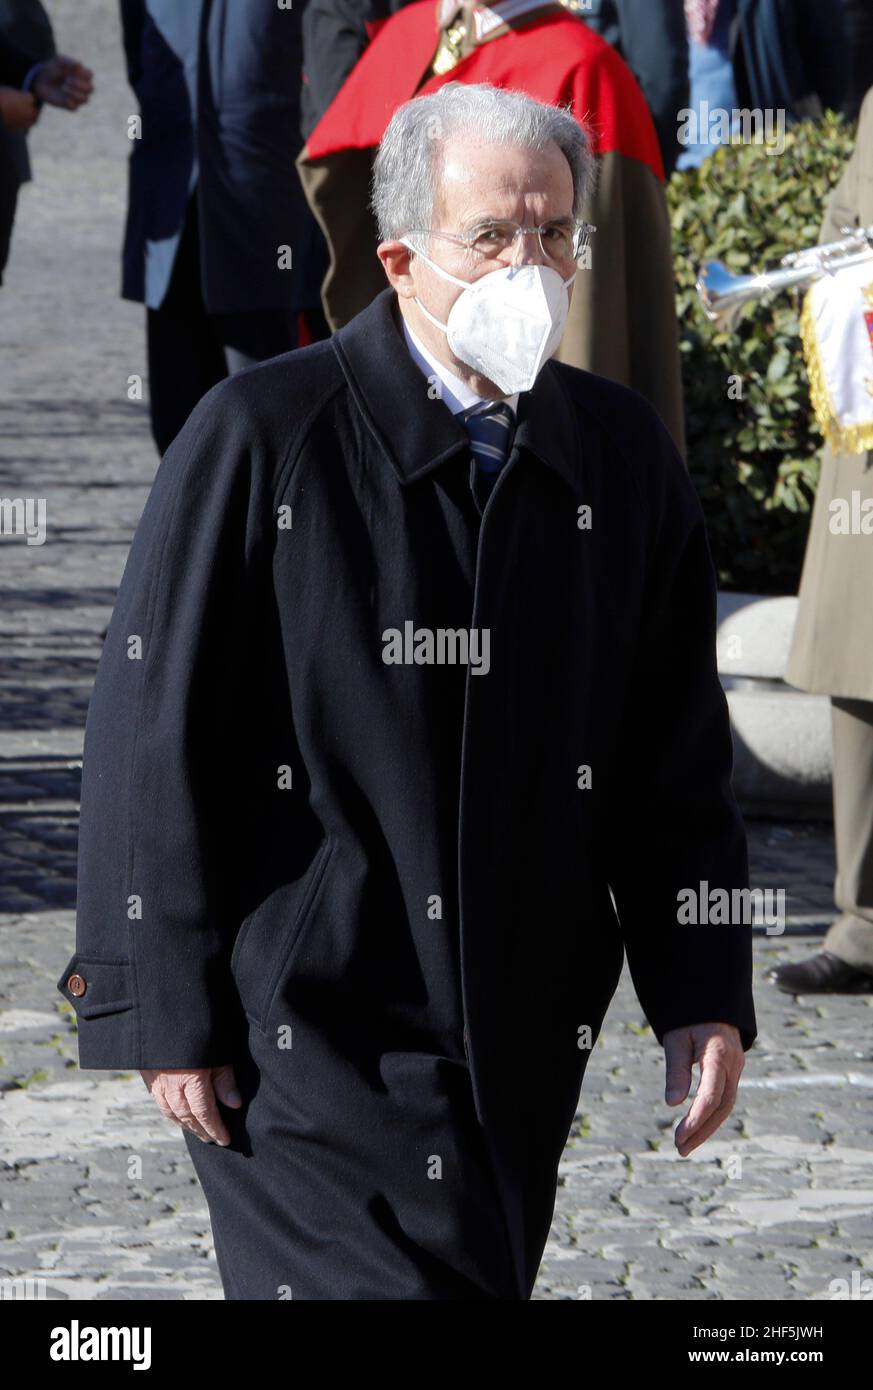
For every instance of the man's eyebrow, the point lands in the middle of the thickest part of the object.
(477, 219)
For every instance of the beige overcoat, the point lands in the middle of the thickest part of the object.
(832, 650)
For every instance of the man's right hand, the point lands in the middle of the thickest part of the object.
(18, 110)
(190, 1099)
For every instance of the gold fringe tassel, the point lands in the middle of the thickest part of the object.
(844, 439)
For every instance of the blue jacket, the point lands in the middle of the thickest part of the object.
(218, 84)
(791, 55)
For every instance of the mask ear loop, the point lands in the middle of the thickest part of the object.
(465, 284)
(444, 327)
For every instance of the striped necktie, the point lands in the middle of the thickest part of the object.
(490, 432)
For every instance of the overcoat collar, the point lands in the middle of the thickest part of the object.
(416, 430)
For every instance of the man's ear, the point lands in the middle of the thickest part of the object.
(395, 260)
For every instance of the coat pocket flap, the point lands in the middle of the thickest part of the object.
(268, 937)
(96, 985)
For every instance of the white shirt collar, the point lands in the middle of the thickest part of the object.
(457, 394)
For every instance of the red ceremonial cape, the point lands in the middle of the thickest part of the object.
(555, 59)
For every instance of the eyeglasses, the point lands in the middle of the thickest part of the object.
(561, 239)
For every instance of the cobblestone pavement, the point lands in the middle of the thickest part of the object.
(777, 1205)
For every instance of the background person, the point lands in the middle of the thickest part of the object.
(25, 23)
(858, 25)
(832, 654)
(214, 196)
(777, 56)
(35, 74)
(652, 38)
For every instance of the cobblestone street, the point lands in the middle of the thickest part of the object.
(776, 1206)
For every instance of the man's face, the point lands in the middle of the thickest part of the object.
(479, 182)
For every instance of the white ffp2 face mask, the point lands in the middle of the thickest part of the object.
(507, 323)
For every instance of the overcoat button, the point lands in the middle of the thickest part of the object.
(77, 985)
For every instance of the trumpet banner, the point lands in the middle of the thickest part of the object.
(836, 327)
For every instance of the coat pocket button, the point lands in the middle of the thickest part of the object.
(77, 985)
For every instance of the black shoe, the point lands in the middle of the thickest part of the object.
(822, 974)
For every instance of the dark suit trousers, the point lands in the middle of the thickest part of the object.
(851, 938)
(190, 349)
(324, 1199)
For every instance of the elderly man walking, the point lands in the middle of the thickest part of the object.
(219, 237)
(413, 660)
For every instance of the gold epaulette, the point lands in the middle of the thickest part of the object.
(451, 43)
(449, 52)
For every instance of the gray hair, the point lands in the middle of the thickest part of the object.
(407, 165)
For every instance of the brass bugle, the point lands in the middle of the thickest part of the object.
(723, 294)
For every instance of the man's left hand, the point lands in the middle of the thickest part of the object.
(719, 1050)
(63, 82)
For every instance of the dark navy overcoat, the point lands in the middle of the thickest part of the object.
(218, 84)
(381, 888)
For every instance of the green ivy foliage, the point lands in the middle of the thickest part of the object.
(755, 461)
